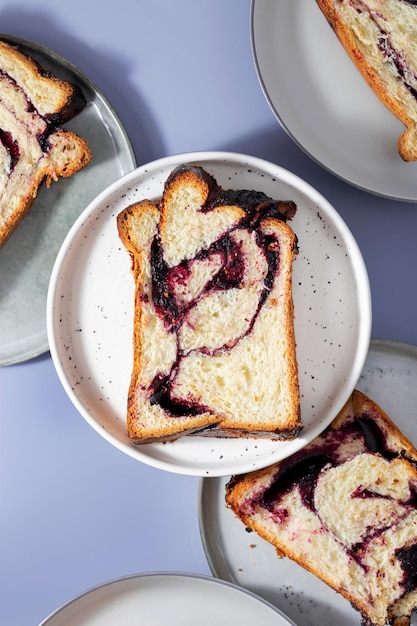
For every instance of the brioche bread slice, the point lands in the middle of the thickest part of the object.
(214, 346)
(380, 37)
(345, 508)
(33, 145)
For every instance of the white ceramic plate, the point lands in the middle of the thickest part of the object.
(160, 599)
(390, 378)
(323, 102)
(90, 314)
(27, 258)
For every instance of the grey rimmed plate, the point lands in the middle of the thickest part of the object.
(159, 599)
(322, 101)
(27, 257)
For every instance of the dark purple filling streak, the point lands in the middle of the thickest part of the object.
(408, 559)
(163, 277)
(374, 437)
(310, 462)
(231, 275)
(256, 204)
(399, 62)
(161, 395)
(303, 468)
(389, 52)
(11, 144)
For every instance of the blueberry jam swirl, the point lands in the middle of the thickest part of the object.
(408, 559)
(7, 139)
(11, 146)
(405, 72)
(304, 467)
(302, 470)
(227, 255)
(37, 125)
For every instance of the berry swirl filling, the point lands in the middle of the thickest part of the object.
(358, 491)
(212, 301)
(390, 43)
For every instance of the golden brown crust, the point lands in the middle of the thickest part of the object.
(52, 96)
(401, 621)
(375, 78)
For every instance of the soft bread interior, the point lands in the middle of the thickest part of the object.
(31, 148)
(254, 385)
(185, 227)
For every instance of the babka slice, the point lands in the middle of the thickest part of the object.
(214, 345)
(345, 508)
(33, 145)
(380, 37)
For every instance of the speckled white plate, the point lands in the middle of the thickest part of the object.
(322, 101)
(90, 314)
(161, 599)
(27, 258)
(390, 378)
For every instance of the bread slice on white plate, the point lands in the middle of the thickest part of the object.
(214, 344)
(345, 508)
(380, 37)
(34, 147)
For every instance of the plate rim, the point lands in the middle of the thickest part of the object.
(40, 344)
(171, 574)
(168, 162)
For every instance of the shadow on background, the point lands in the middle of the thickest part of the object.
(110, 75)
(275, 145)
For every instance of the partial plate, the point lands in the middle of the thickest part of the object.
(167, 598)
(322, 101)
(90, 314)
(27, 258)
(390, 378)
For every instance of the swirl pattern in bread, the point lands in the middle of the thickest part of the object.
(33, 144)
(345, 508)
(214, 345)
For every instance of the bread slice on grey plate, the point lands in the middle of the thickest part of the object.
(345, 508)
(34, 147)
(214, 344)
(380, 37)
